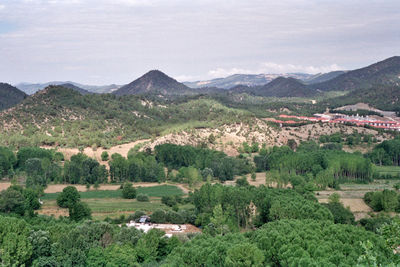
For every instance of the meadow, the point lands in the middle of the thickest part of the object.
(109, 203)
(152, 191)
(393, 171)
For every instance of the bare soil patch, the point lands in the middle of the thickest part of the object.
(4, 186)
(55, 188)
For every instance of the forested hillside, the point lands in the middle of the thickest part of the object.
(10, 96)
(62, 116)
(384, 97)
(385, 72)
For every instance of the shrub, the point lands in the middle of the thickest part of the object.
(158, 216)
(104, 156)
(142, 198)
(128, 191)
(174, 217)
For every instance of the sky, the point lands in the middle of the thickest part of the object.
(116, 41)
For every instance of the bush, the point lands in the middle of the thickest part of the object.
(142, 198)
(174, 217)
(159, 216)
(104, 156)
(128, 191)
(169, 201)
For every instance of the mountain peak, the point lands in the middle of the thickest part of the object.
(154, 82)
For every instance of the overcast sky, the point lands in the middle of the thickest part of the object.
(116, 41)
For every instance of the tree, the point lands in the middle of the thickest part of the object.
(245, 254)
(334, 198)
(68, 197)
(242, 181)
(158, 216)
(391, 233)
(253, 176)
(16, 250)
(35, 172)
(169, 201)
(218, 223)
(12, 201)
(31, 200)
(128, 191)
(104, 156)
(79, 211)
(311, 242)
(41, 243)
(340, 213)
(396, 186)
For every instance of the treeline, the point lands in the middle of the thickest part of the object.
(235, 207)
(348, 139)
(42, 166)
(177, 163)
(387, 153)
(215, 163)
(324, 167)
(138, 167)
(386, 200)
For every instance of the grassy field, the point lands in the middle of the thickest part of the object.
(351, 195)
(109, 203)
(153, 191)
(391, 170)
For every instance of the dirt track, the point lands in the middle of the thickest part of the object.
(55, 188)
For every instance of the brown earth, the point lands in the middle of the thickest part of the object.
(55, 188)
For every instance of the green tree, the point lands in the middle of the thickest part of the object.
(158, 216)
(12, 201)
(340, 213)
(334, 198)
(79, 211)
(218, 222)
(128, 191)
(68, 197)
(245, 254)
(16, 250)
(104, 156)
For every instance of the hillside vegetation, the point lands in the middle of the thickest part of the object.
(10, 96)
(61, 116)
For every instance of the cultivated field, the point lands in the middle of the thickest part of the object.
(109, 203)
(351, 195)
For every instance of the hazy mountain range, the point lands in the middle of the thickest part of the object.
(381, 74)
(31, 88)
(261, 79)
(223, 83)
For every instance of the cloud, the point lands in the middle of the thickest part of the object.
(119, 40)
(185, 78)
(272, 67)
